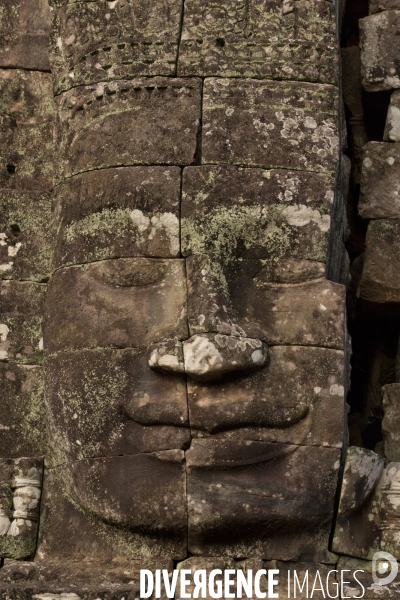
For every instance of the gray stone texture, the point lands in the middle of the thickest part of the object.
(392, 129)
(270, 124)
(113, 213)
(380, 185)
(260, 38)
(24, 33)
(390, 422)
(380, 48)
(95, 123)
(380, 279)
(26, 130)
(368, 516)
(220, 205)
(21, 315)
(103, 41)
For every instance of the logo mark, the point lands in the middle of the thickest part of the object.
(384, 563)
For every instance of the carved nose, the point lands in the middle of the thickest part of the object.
(209, 356)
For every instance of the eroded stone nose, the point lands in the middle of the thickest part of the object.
(205, 357)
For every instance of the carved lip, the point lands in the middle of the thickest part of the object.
(211, 454)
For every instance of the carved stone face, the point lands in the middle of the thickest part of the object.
(259, 412)
(194, 347)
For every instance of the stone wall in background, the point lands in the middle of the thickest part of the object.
(174, 182)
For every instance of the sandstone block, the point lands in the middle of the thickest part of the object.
(99, 41)
(368, 516)
(391, 421)
(25, 235)
(380, 186)
(24, 28)
(115, 213)
(22, 412)
(21, 315)
(380, 47)
(26, 130)
(129, 302)
(270, 124)
(380, 280)
(307, 314)
(380, 5)
(251, 213)
(137, 505)
(95, 124)
(259, 39)
(271, 405)
(392, 128)
(108, 402)
(225, 482)
(352, 588)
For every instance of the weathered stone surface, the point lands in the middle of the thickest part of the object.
(24, 32)
(99, 41)
(259, 39)
(226, 480)
(379, 5)
(95, 124)
(236, 212)
(21, 491)
(112, 213)
(210, 356)
(121, 507)
(129, 302)
(391, 421)
(392, 128)
(306, 407)
(25, 235)
(108, 402)
(26, 130)
(61, 580)
(304, 580)
(22, 412)
(372, 591)
(307, 314)
(380, 48)
(352, 96)
(208, 563)
(380, 280)
(368, 517)
(270, 124)
(380, 185)
(21, 315)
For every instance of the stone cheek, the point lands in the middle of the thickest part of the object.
(270, 406)
(130, 302)
(255, 123)
(118, 212)
(95, 124)
(380, 48)
(108, 402)
(380, 280)
(99, 41)
(380, 186)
